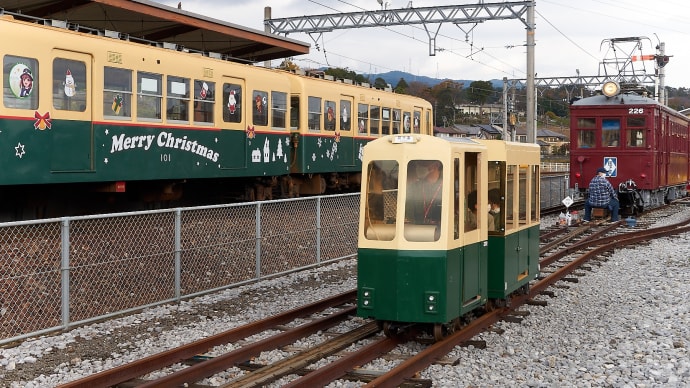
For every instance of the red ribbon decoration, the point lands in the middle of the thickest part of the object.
(42, 121)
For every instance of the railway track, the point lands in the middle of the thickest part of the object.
(563, 250)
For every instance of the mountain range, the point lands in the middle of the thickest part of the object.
(393, 77)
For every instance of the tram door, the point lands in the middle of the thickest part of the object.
(69, 116)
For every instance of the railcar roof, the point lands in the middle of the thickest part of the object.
(629, 98)
(156, 22)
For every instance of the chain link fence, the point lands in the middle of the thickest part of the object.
(59, 273)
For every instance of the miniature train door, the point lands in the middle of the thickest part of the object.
(69, 116)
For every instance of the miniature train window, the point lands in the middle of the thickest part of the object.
(522, 194)
(635, 132)
(69, 85)
(610, 132)
(177, 101)
(232, 103)
(260, 108)
(204, 101)
(396, 121)
(329, 116)
(117, 93)
(362, 118)
(472, 218)
(294, 113)
(386, 121)
(381, 200)
(407, 122)
(534, 193)
(149, 96)
(20, 82)
(278, 110)
(374, 119)
(511, 186)
(585, 133)
(496, 186)
(314, 113)
(345, 115)
(424, 201)
(416, 120)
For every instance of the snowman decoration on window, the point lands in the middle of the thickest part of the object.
(70, 86)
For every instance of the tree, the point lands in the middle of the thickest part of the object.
(480, 91)
(339, 73)
(288, 65)
(380, 83)
(401, 87)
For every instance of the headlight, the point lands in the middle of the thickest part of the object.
(610, 88)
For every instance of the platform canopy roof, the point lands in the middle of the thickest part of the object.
(156, 22)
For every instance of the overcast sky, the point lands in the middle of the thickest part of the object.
(569, 35)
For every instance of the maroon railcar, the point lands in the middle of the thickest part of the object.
(643, 144)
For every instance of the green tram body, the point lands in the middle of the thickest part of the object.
(112, 112)
(434, 270)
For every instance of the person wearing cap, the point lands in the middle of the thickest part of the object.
(601, 195)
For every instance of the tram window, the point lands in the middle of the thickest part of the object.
(534, 193)
(362, 118)
(416, 121)
(610, 132)
(386, 121)
(294, 113)
(232, 103)
(314, 113)
(382, 200)
(204, 101)
(510, 197)
(278, 110)
(346, 115)
(635, 131)
(472, 215)
(522, 194)
(586, 123)
(149, 96)
(177, 101)
(396, 121)
(117, 93)
(20, 88)
(260, 108)
(585, 139)
(329, 117)
(69, 85)
(407, 122)
(374, 119)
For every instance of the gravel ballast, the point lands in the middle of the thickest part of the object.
(626, 323)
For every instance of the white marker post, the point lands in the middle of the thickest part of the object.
(567, 201)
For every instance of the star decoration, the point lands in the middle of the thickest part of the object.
(20, 150)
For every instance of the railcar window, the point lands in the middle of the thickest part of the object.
(260, 108)
(374, 119)
(232, 103)
(396, 121)
(416, 120)
(457, 203)
(496, 199)
(204, 101)
(522, 194)
(329, 117)
(635, 131)
(424, 200)
(69, 85)
(117, 93)
(534, 193)
(407, 122)
(362, 118)
(314, 113)
(149, 96)
(610, 132)
(472, 216)
(386, 121)
(20, 80)
(382, 200)
(294, 113)
(585, 139)
(346, 115)
(511, 183)
(279, 110)
(177, 103)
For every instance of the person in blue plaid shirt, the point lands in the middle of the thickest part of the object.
(601, 195)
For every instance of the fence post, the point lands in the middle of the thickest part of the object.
(258, 240)
(318, 229)
(178, 254)
(65, 271)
